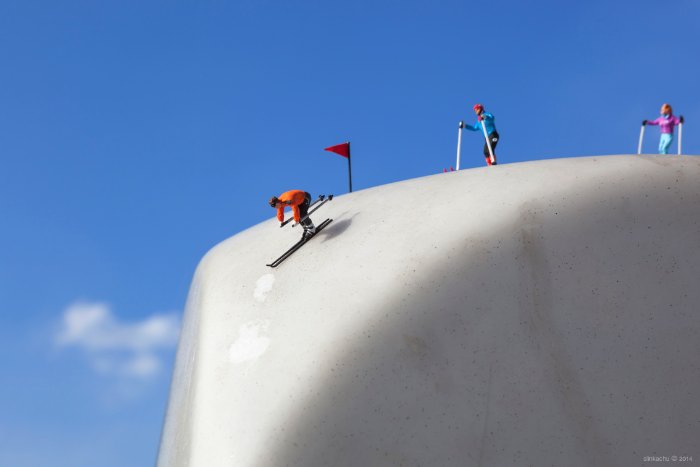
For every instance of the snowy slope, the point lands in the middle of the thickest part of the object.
(541, 313)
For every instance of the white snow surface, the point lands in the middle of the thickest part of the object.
(542, 313)
(263, 287)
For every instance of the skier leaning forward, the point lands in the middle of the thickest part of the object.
(299, 201)
(489, 123)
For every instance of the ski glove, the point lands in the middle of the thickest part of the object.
(644, 122)
(681, 119)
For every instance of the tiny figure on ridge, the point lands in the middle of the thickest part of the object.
(667, 121)
(486, 123)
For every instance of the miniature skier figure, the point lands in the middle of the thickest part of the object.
(667, 121)
(299, 201)
(489, 123)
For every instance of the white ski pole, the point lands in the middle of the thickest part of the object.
(680, 137)
(488, 143)
(641, 138)
(459, 142)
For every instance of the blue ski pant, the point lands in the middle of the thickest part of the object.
(665, 142)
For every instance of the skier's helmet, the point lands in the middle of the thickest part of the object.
(273, 201)
(478, 108)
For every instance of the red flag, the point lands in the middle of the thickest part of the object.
(341, 149)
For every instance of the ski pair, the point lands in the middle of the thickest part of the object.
(299, 244)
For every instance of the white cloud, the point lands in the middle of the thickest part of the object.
(142, 365)
(114, 347)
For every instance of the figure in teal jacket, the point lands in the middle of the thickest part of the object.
(490, 124)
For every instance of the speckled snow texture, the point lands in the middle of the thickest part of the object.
(543, 313)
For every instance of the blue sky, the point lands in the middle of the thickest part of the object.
(135, 135)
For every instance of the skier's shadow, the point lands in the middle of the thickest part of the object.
(337, 227)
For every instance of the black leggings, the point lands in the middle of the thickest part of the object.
(493, 137)
(304, 211)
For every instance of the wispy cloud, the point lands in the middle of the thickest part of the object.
(114, 347)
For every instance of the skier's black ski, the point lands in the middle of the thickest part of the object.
(320, 198)
(299, 244)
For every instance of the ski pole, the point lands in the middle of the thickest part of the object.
(320, 198)
(488, 143)
(330, 197)
(680, 137)
(459, 142)
(641, 138)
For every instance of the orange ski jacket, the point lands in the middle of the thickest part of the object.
(291, 198)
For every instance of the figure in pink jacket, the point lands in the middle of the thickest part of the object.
(667, 121)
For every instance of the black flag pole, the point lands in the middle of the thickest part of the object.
(349, 168)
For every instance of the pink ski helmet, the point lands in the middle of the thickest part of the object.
(478, 108)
